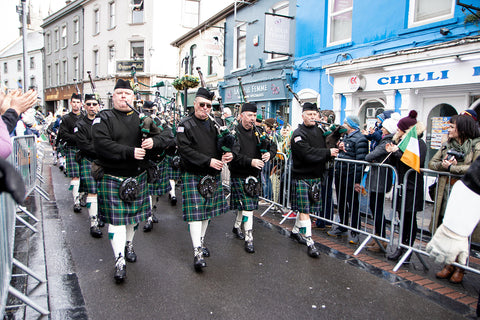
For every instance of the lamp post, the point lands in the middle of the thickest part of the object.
(185, 62)
(22, 11)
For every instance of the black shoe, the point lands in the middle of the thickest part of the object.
(249, 246)
(95, 232)
(396, 255)
(130, 255)
(77, 208)
(61, 168)
(238, 232)
(205, 252)
(313, 251)
(148, 226)
(198, 261)
(83, 200)
(298, 237)
(173, 200)
(100, 223)
(154, 218)
(120, 270)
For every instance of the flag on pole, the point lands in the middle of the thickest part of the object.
(411, 149)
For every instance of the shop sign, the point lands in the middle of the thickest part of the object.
(355, 83)
(258, 91)
(439, 130)
(126, 65)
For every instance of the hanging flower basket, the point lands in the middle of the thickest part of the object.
(178, 84)
(190, 81)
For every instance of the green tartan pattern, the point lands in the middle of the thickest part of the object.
(299, 196)
(114, 210)
(87, 183)
(239, 199)
(197, 208)
(72, 167)
(172, 173)
(162, 185)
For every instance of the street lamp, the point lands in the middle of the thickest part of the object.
(185, 62)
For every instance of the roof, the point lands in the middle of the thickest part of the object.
(72, 6)
(34, 42)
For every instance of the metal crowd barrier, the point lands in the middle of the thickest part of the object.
(425, 219)
(24, 159)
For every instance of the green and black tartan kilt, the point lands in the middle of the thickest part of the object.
(162, 185)
(299, 196)
(114, 210)
(87, 183)
(72, 167)
(239, 199)
(172, 173)
(196, 207)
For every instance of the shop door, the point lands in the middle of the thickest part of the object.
(369, 112)
(437, 128)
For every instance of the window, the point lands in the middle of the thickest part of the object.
(19, 84)
(427, 11)
(210, 69)
(57, 39)
(48, 42)
(339, 21)
(33, 83)
(49, 75)
(111, 52)
(96, 21)
(64, 36)
(137, 11)
(240, 53)
(19, 65)
(76, 67)
(282, 9)
(76, 31)
(65, 71)
(137, 49)
(32, 62)
(5, 67)
(193, 56)
(190, 14)
(111, 15)
(95, 63)
(6, 83)
(57, 74)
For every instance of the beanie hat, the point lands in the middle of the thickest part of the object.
(352, 121)
(405, 123)
(390, 125)
(89, 96)
(471, 113)
(148, 104)
(123, 84)
(259, 117)
(385, 115)
(308, 106)
(247, 106)
(270, 122)
(204, 93)
(76, 96)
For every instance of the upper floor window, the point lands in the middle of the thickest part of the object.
(137, 11)
(96, 21)
(76, 67)
(57, 74)
(339, 21)
(49, 75)
(5, 67)
(281, 9)
(137, 49)
(111, 15)
(111, 52)
(95, 63)
(240, 53)
(76, 31)
(64, 36)
(190, 13)
(57, 39)
(427, 11)
(32, 62)
(193, 57)
(19, 65)
(33, 82)
(210, 66)
(65, 71)
(48, 42)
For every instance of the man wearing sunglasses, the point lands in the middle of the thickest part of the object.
(87, 154)
(202, 160)
(66, 136)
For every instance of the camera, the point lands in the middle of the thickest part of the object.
(459, 156)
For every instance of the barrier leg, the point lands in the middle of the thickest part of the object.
(402, 259)
(29, 302)
(42, 192)
(39, 177)
(29, 271)
(420, 258)
(28, 213)
(360, 247)
(28, 225)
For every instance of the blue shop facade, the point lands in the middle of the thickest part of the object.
(363, 57)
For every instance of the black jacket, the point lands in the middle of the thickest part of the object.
(66, 132)
(356, 148)
(245, 149)
(380, 178)
(309, 152)
(83, 134)
(472, 176)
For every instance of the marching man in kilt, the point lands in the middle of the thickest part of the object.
(122, 186)
(309, 156)
(245, 170)
(83, 134)
(202, 160)
(66, 136)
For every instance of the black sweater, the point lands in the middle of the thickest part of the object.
(309, 152)
(244, 150)
(66, 133)
(83, 134)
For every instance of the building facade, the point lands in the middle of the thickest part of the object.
(361, 58)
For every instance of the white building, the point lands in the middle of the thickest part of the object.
(11, 64)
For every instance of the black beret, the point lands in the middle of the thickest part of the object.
(247, 106)
(76, 96)
(148, 104)
(308, 106)
(89, 96)
(204, 93)
(123, 84)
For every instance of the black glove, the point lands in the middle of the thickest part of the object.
(11, 181)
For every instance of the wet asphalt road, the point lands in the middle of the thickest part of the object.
(278, 281)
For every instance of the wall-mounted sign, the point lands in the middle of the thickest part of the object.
(439, 130)
(126, 65)
(356, 83)
(277, 34)
(258, 91)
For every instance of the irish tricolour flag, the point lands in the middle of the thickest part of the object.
(411, 150)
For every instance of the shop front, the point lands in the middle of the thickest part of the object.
(57, 98)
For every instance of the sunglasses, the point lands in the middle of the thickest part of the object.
(203, 104)
(91, 104)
